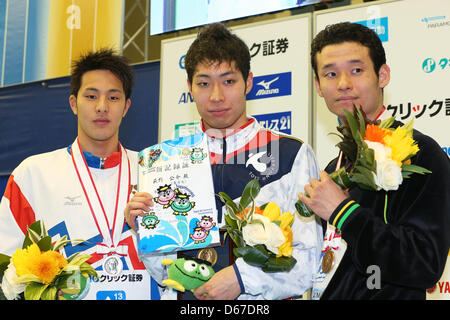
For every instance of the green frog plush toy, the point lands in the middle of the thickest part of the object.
(187, 273)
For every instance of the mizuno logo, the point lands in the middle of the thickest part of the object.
(271, 85)
(72, 201)
(267, 84)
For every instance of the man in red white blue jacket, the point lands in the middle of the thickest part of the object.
(81, 191)
(240, 149)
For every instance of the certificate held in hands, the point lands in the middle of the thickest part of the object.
(177, 173)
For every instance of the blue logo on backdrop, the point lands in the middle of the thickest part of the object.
(181, 62)
(280, 121)
(272, 85)
(446, 150)
(380, 26)
(429, 65)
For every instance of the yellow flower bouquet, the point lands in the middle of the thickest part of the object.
(39, 271)
(379, 155)
(262, 235)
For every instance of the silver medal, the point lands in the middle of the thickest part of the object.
(112, 265)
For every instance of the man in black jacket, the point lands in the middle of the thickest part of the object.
(378, 244)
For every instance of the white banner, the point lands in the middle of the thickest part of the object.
(414, 34)
(280, 98)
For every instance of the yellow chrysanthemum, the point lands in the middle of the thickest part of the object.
(23, 259)
(401, 144)
(285, 250)
(286, 218)
(46, 268)
(44, 265)
(272, 211)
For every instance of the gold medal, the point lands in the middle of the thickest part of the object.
(208, 254)
(328, 261)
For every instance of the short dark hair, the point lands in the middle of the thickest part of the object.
(216, 44)
(103, 59)
(349, 32)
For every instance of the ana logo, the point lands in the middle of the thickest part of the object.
(379, 25)
(429, 65)
(186, 97)
(273, 85)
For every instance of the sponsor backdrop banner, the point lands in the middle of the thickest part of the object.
(40, 39)
(420, 75)
(280, 97)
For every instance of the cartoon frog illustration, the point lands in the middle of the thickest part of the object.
(197, 155)
(187, 273)
(181, 204)
(165, 195)
(150, 221)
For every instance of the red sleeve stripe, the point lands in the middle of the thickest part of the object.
(20, 208)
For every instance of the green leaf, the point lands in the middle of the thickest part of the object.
(341, 178)
(28, 278)
(256, 255)
(353, 124)
(406, 174)
(70, 291)
(49, 293)
(34, 291)
(227, 200)
(236, 236)
(4, 263)
(249, 194)
(303, 209)
(415, 169)
(31, 237)
(387, 123)
(87, 268)
(45, 243)
(362, 123)
(248, 216)
(258, 221)
(280, 264)
(409, 127)
(363, 181)
(37, 227)
(231, 213)
(77, 260)
(349, 148)
(230, 221)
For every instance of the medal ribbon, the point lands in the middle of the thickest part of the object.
(111, 237)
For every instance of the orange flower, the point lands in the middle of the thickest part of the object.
(258, 210)
(376, 134)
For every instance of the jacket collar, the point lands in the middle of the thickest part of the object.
(235, 139)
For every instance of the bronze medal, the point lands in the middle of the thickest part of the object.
(208, 254)
(328, 261)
